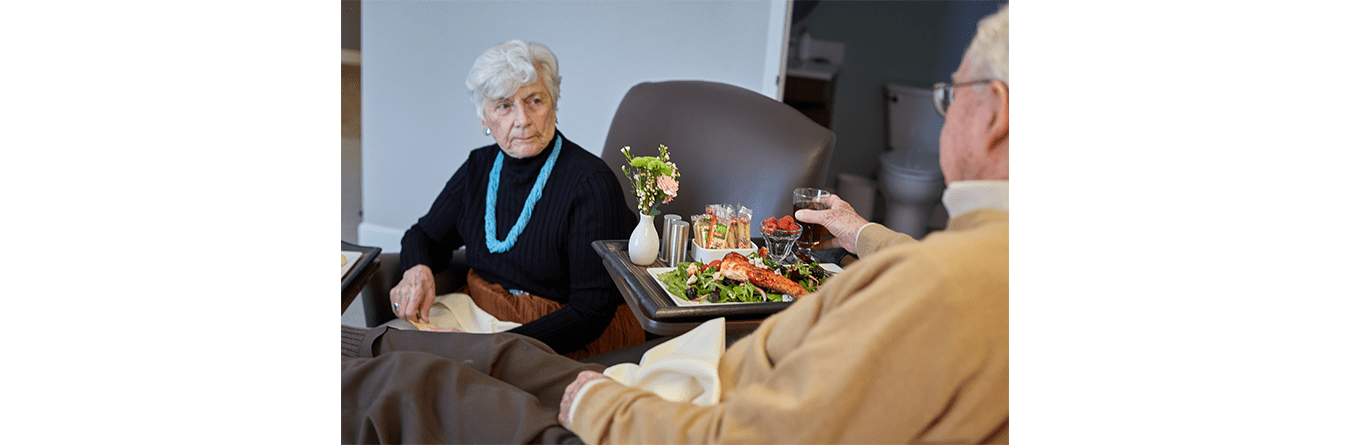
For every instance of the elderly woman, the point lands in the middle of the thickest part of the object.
(526, 209)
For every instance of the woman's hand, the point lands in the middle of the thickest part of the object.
(569, 397)
(840, 219)
(413, 295)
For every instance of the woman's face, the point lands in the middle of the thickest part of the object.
(523, 123)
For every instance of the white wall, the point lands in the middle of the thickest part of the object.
(418, 125)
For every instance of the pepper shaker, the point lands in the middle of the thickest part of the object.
(676, 244)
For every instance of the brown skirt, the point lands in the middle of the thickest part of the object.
(622, 331)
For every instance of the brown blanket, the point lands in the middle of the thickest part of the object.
(622, 331)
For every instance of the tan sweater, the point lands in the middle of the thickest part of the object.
(909, 345)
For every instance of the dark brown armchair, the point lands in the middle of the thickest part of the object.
(732, 145)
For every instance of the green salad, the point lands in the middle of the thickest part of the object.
(708, 287)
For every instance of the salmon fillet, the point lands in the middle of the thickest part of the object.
(735, 266)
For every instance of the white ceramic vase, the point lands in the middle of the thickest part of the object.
(643, 244)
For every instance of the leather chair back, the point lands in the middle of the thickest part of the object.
(732, 145)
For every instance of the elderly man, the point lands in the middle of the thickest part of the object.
(909, 344)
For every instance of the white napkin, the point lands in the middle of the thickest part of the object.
(683, 369)
(458, 311)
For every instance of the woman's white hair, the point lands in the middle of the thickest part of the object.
(504, 68)
(989, 50)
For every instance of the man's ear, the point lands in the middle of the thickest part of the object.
(998, 125)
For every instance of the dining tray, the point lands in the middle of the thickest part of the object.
(359, 273)
(639, 286)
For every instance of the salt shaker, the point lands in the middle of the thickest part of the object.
(665, 232)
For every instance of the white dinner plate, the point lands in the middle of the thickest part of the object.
(655, 272)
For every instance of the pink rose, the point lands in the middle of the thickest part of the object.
(669, 186)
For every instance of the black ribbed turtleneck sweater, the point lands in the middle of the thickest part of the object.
(553, 258)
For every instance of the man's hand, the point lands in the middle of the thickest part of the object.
(840, 219)
(414, 294)
(571, 394)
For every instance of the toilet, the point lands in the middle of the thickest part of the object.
(909, 175)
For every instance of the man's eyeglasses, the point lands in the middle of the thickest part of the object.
(942, 94)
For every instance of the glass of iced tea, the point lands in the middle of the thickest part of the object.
(810, 199)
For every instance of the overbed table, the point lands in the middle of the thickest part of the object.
(655, 310)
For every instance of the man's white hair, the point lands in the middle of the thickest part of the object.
(989, 51)
(504, 68)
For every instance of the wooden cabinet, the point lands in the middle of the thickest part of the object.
(813, 96)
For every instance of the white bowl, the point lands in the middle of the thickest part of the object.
(706, 256)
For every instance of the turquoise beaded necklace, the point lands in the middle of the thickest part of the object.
(490, 215)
